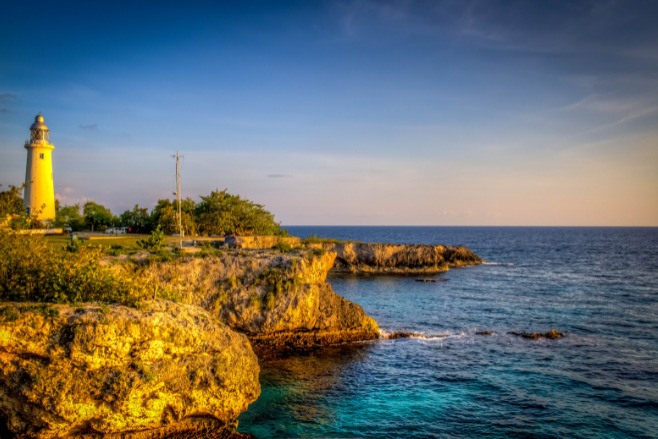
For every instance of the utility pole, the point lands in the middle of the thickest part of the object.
(178, 197)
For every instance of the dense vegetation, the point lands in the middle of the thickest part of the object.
(12, 213)
(218, 213)
(222, 213)
(32, 272)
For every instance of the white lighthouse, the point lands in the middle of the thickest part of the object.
(39, 196)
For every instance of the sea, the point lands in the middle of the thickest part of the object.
(599, 286)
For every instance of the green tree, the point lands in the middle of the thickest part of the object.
(164, 214)
(11, 202)
(137, 219)
(97, 217)
(222, 213)
(13, 213)
(70, 216)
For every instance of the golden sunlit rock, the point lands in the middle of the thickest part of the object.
(400, 259)
(111, 369)
(280, 300)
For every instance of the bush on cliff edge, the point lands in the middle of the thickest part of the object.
(32, 272)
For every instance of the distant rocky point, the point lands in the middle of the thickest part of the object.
(397, 259)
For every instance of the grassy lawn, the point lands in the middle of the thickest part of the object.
(127, 242)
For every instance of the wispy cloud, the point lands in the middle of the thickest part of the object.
(618, 110)
(279, 176)
(522, 27)
(7, 97)
(91, 127)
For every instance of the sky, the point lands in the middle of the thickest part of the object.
(344, 112)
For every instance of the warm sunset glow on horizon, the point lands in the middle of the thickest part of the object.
(344, 113)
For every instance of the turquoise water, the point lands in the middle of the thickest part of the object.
(598, 285)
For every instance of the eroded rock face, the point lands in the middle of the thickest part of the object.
(113, 369)
(400, 259)
(277, 299)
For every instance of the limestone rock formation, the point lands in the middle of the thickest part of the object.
(400, 259)
(278, 299)
(99, 369)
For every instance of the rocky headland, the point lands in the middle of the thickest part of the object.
(187, 364)
(279, 300)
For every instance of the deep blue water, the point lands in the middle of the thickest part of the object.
(597, 285)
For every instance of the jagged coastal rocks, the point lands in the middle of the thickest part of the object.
(97, 370)
(397, 259)
(551, 335)
(280, 300)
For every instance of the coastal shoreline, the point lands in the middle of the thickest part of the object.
(280, 300)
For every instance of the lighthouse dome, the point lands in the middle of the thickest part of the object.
(39, 124)
(39, 132)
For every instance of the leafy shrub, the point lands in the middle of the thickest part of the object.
(11, 202)
(278, 280)
(155, 242)
(115, 250)
(32, 272)
(273, 278)
(208, 250)
(316, 240)
(163, 255)
(74, 245)
(283, 247)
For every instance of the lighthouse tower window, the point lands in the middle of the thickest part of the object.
(41, 155)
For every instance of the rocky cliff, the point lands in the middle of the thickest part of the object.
(398, 259)
(103, 370)
(279, 300)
